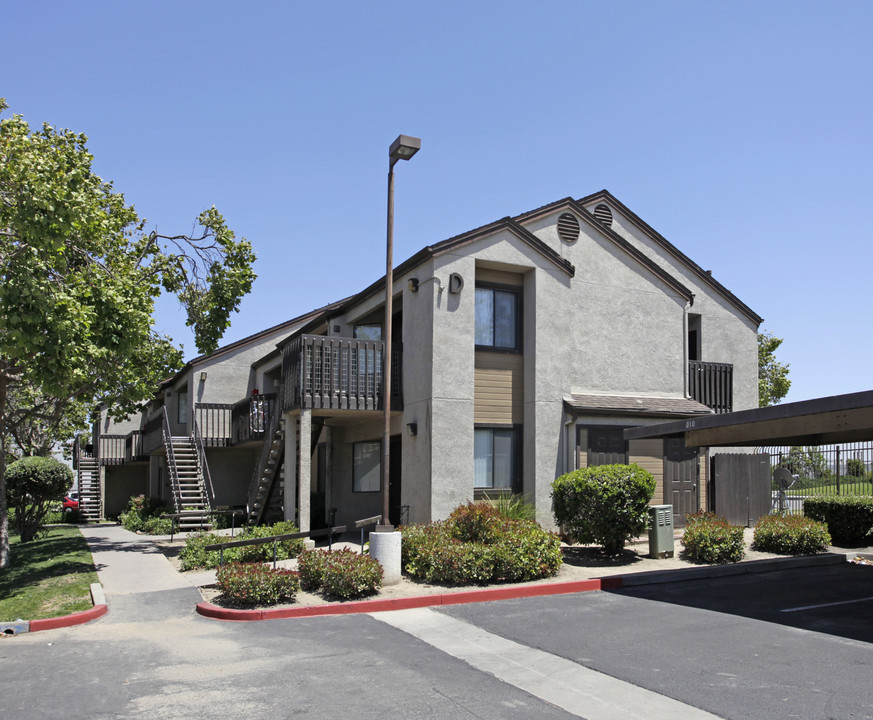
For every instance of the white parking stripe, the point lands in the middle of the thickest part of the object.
(824, 605)
(566, 684)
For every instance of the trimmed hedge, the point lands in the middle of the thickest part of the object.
(604, 504)
(790, 535)
(710, 538)
(342, 574)
(477, 545)
(256, 584)
(849, 518)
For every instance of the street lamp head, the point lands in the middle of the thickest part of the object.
(403, 148)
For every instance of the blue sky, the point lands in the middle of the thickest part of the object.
(741, 131)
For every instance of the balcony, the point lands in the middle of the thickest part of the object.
(712, 384)
(223, 424)
(338, 374)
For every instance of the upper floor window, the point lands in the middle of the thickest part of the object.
(368, 332)
(498, 318)
(182, 410)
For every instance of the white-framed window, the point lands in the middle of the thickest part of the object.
(497, 458)
(367, 466)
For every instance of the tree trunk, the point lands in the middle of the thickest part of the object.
(4, 512)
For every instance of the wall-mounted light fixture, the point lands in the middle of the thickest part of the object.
(203, 376)
(412, 429)
(412, 284)
(456, 283)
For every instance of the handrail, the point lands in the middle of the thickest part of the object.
(171, 461)
(263, 457)
(203, 465)
(330, 532)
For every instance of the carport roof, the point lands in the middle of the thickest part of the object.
(836, 419)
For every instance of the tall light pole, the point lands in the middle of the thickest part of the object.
(403, 148)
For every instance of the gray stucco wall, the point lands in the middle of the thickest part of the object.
(231, 472)
(121, 483)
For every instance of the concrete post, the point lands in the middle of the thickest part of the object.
(290, 467)
(304, 476)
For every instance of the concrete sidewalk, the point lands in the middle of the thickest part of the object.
(128, 563)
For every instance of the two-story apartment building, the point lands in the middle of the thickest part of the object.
(522, 349)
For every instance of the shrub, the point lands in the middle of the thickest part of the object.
(157, 526)
(342, 574)
(855, 467)
(513, 507)
(502, 550)
(710, 538)
(790, 535)
(349, 575)
(193, 555)
(33, 484)
(849, 518)
(139, 510)
(477, 523)
(264, 553)
(256, 584)
(605, 504)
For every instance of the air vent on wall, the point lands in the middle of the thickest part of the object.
(604, 214)
(568, 228)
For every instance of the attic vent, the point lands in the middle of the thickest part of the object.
(568, 228)
(604, 214)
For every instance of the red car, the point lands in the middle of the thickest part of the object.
(70, 503)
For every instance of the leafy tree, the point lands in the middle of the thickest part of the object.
(773, 382)
(32, 483)
(79, 277)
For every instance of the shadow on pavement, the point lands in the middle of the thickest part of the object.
(834, 599)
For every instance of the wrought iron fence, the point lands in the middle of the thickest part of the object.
(821, 470)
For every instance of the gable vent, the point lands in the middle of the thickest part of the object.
(604, 214)
(568, 228)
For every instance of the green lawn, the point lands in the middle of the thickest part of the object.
(48, 577)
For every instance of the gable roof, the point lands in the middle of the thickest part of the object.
(627, 248)
(701, 274)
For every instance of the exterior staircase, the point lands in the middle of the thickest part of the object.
(189, 492)
(269, 469)
(88, 480)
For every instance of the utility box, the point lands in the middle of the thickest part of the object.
(661, 531)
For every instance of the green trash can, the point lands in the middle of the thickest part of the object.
(661, 531)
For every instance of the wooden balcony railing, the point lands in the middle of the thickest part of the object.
(213, 423)
(250, 418)
(712, 384)
(338, 374)
(133, 450)
(111, 450)
(152, 433)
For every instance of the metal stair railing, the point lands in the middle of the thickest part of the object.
(261, 465)
(203, 476)
(171, 462)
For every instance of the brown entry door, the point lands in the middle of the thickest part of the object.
(681, 479)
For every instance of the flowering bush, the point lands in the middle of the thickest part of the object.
(710, 538)
(342, 574)
(790, 535)
(256, 584)
(140, 509)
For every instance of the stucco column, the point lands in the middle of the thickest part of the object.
(305, 471)
(290, 466)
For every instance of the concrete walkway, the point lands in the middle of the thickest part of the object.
(138, 581)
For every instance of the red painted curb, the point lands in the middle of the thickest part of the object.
(366, 606)
(77, 618)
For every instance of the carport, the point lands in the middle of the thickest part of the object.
(829, 420)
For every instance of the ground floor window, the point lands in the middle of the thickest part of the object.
(497, 452)
(606, 446)
(367, 466)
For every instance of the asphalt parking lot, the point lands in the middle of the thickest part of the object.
(769, 645)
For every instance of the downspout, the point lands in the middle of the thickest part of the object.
(685, 347)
